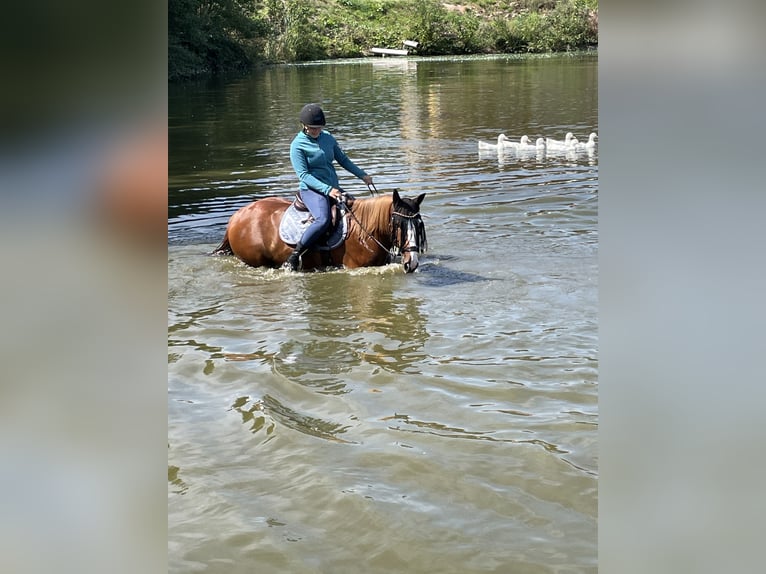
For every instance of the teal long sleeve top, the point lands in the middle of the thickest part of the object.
(312, 160)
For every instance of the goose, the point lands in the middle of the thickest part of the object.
(497, 146)
(539, 145)
(523, 141)
(569, 141)
(588, 145)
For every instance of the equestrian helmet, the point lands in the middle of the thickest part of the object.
(312, 116)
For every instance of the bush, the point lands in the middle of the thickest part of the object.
(441, 32)
(505, 36)
(568, 26)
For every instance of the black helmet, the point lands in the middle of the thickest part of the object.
(312, 115)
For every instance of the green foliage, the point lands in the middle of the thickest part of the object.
(568, 26)
(428, 22)
(506, 36)
(440, 31)
(216, 35)
(295, 34)
(210, 36)
(564, 28)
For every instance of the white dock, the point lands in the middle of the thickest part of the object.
(389, 52)
(394, 52)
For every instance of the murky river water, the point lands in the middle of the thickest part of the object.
(367, 420)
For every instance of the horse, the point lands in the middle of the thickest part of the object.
(378, 228)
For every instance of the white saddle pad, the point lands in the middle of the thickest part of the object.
(295, 222)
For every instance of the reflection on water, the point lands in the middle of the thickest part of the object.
(265, 413)
(368, 420)
(178, 485)
(354, 319)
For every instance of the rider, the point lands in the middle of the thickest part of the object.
(312, 152)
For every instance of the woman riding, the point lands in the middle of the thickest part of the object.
(312, 153)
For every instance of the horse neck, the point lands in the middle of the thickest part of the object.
(374, 214)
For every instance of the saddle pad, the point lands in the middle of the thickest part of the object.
(295, 222)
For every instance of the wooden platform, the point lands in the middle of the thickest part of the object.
(393, 52)
(389, 52)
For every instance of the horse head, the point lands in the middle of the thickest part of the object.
(408, 234)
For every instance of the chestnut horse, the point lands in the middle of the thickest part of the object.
(378, 227)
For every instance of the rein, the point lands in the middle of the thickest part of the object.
(363, 228)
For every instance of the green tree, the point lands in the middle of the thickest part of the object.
(295, 32)
(211, 35)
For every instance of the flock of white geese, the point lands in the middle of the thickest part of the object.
(569, 144)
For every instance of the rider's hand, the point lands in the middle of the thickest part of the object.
(367, 179)
(334, 193)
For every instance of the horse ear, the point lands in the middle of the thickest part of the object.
(419, 199)
(397, 199)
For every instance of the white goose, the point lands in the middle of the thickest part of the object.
(569, 142)
(588, 145)
(539, 145)
(501, 139)
(523, 141)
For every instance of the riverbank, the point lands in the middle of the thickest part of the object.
(237, 37)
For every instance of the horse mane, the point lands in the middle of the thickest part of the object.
(374, 213)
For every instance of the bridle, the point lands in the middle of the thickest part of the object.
(414, 223)
(415, 229)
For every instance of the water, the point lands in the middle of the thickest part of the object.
(367, 420)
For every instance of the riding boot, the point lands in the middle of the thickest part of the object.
(294, 261)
